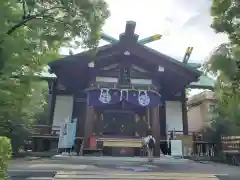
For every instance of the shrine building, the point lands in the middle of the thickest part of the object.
(120, 92)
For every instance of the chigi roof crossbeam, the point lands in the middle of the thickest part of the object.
(130, 30)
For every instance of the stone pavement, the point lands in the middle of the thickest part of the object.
(71, 175)
(108, 159)
(119, 168)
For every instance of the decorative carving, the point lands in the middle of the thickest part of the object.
(91, 64)
(125, 76)
(127, 53)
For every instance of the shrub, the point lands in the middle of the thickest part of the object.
(5, 155)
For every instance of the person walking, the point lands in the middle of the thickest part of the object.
(149, 140)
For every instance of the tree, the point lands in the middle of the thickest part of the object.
(53, 22)
(225, 59)
(225, 15)
(225, 65)
(30, 36)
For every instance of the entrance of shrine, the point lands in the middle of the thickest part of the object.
(124, 75)
(119, 123)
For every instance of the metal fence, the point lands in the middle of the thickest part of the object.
(201, 148)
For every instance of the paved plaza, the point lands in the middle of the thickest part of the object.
(73, 168)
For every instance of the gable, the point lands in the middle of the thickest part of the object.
(147, 54)
(127, 46)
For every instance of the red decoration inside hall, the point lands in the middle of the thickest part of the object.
(92, 142)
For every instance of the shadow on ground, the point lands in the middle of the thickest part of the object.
(24, 175)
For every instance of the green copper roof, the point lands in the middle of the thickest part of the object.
(204, 82)
(194, 65)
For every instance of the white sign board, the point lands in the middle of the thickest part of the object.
(67, 135)
(71, 134)
(176, 148)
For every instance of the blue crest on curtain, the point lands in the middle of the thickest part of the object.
(143, 98)
(100, 97)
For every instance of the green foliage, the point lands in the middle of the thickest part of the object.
(31, 33)
(225, 65)
(5, 155)
(225, 15)
(225, 61)
(42, 116)
(187, 91)
(40, 26)
(221, 124)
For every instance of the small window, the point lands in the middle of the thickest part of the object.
(210, 107)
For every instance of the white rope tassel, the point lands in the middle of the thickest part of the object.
(126, 94)
(121, 95)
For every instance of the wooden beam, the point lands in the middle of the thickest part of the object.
(174, 98)
(108, 38)
(114, 73)
(187, 54)
(130, 28)
(129, 36)
(150, 39)
(201, 87)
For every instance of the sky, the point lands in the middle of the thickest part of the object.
(182, 23)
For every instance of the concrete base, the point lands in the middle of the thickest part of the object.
(119, 160)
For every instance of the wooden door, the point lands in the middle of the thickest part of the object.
(119, 123)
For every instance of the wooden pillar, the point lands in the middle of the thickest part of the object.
(51, 101)
(156, 129)
(34, 144)
(184, 113)
(163, 122)
(89, 124)
(40, 145)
